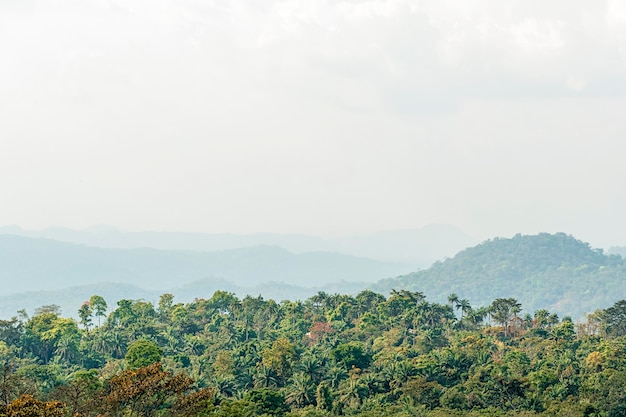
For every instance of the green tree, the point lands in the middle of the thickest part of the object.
(99, 306)
(267, 401)
(84, 313)
(351, 355)
(279, 357)
(503, 310)
(323, 397)
(142, 353)
(300, 390)
(615, 319)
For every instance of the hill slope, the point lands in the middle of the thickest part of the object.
(552, 271)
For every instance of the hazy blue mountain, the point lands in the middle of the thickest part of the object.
(43, 264)
(419, 247)
(552, 271)
(109, 237)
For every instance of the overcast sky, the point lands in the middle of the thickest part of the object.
(313, 116)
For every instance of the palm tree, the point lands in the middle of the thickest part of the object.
(353, 393)
(193, 346)
(118, 345)
(335, 375)
(224, 386)
(476, 317)
(319, 300)
(465, 307)
(372, 382)
(265, 377)
(301, 390)
(403, 371)
(453, 299)
(66, 349)
(312, 367)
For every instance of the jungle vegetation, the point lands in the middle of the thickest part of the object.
(329, 355)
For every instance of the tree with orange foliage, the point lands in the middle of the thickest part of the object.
(29, 406)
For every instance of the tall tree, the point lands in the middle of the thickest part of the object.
(84, 314)
(503, 310)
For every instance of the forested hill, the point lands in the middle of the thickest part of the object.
(553, 271)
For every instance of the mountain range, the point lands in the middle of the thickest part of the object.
(418, 247)
(44, 264)
(545, 271)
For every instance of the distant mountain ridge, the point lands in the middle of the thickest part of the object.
(419, 247)
(551, 271)
(44, 264)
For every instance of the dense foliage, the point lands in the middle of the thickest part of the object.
(553, 271)
(367, 355)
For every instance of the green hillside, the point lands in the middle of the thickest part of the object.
(554, 271)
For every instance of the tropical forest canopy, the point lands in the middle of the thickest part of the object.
(330, 355)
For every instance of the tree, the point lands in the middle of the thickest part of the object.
(143, 353)
(66, 349)
(268, 401)
(453, 300)
(279, 356)
(465, 307)
(166, 302)
(11, 331)
(43, 331)
(98, 306)
(11, 384)
(28, 406)
(353, 393)
(351, 355)
(323, 398)
(264, 377)
(615, 319)
(300, 391)
(311, 366)
(503, 310)
(335, 375)
(79, 393)
(148, 390)
(84, 313)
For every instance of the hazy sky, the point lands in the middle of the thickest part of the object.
(314, 116)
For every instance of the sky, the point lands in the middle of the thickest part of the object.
(321, 117)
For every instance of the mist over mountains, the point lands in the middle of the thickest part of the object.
(419, 247)
(44, 264)
(65, 266)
